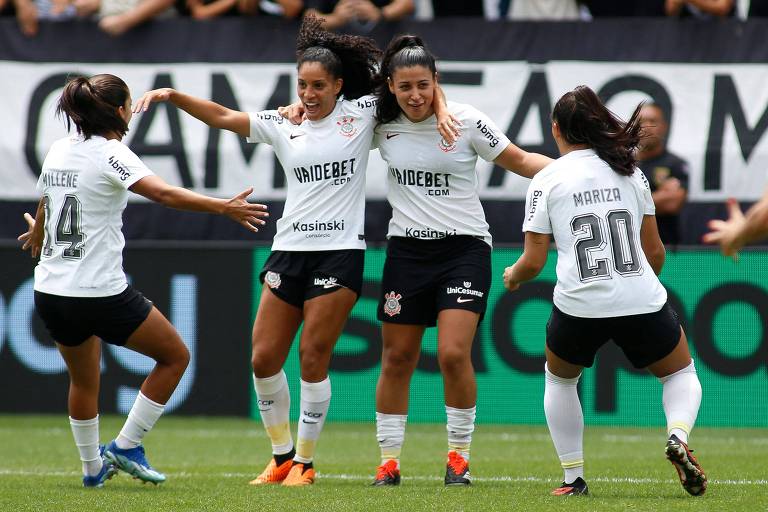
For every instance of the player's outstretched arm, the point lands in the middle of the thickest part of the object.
(250, 215)
(33, 238)
(651, 243)
(522, 162)
(739, 229)
(209, 112)
(530, 263)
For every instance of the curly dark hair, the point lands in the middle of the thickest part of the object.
(584, 119)
(403, 51)
(354, 59)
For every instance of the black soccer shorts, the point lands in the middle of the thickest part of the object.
(72, 320)
(423, 277)
(644, 339)
(297, 276)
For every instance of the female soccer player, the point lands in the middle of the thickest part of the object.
(314, 274)
(598, 206)
(438, 267)
(81, 291)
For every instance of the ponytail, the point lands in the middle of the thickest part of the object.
(91, 105)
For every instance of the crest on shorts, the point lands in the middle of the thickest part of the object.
(467, 284)
(392, 305)
(445, 147)
(346, 126)
(272, 279)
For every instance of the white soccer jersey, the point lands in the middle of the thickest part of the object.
(324, 163)
(595, 216)
(84, 184)
(432, 186)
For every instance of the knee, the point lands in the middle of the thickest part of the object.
(181, 358)
(399, 363)
(261, 363)
(453, 360)
(313, 357)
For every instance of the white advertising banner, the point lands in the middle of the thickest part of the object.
(719, 119)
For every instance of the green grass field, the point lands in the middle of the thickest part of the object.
(209, 462)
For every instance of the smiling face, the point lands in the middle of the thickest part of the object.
(414, 88)
(317, 90)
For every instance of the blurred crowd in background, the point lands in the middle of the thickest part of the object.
(360, 16)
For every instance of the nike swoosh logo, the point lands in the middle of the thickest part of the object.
(292, 136)
(331, 285)
(309, 422)
(390, 135)
(462, 300)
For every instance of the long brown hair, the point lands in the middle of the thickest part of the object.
(584, 119)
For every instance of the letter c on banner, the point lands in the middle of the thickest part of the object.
(21, 339)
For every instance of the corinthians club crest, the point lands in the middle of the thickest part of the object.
(346, 126)
(272, 279)
(445, 147)
(392, 305)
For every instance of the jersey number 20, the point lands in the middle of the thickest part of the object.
(623, 248)
(68, 230)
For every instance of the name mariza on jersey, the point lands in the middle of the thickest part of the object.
(596, 195)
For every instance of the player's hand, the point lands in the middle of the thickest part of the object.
(32, 240)
(154, 96)
(449, 127)
(726, 233)
(248, 214)
(294, 112)
(509, 284)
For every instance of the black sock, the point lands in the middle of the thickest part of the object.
(307, 465)
(280, 459)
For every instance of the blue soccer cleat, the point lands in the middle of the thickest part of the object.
(108, 470)
(134, 462)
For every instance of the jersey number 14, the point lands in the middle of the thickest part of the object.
(68, 229)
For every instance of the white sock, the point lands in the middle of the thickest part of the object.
(460, 425)
(143, 416)
(274, 401)
(681, 397)
(86, 434)
(390, 433)
(566, 423)
(315, 400)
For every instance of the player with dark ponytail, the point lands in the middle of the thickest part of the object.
(598, 208)
(438, 267)
(81, 291)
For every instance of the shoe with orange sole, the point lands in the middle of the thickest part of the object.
(299, 476)
(273, 474)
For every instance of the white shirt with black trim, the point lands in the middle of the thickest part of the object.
(432, 186)
(84, 184)
(595, 216)
(324, 163)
